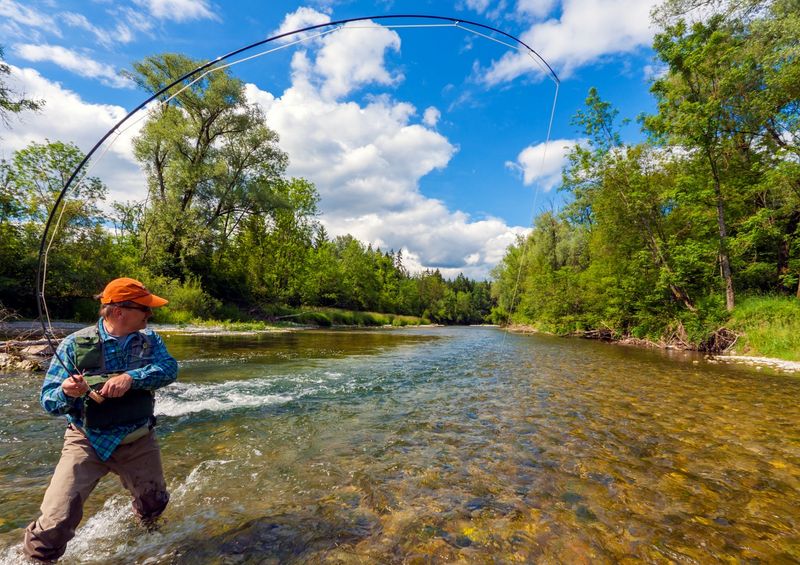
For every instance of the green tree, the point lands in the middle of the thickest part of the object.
(81, 257)
(700, 102)
(12, 102)
(210, 160)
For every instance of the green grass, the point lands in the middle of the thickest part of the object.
(771, 326)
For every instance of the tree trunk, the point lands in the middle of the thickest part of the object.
(724, 259)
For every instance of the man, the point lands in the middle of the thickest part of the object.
(103, 379)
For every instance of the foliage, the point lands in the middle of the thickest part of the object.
(770, 326)
(659, 237)
(10, 101)
(81, 257)
(210, 160)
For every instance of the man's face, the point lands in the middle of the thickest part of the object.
(133, 318)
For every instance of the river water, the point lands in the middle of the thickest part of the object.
(438, 444)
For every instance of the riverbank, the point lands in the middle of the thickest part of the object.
(783, 365)
(23, 347)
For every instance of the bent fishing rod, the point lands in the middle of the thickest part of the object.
(476, 28)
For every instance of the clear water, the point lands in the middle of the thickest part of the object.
(434, 445)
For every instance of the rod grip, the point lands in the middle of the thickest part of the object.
(94, 395)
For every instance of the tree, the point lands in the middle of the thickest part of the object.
(80, 257)
(10, 101)
(210, 160)
(699, 102)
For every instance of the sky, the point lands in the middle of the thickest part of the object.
(429, 140)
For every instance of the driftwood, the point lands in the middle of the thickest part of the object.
(17, 344)
(25, 355)
(720, 341)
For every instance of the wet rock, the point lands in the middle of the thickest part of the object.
(13, 362)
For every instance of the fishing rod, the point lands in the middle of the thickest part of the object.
(476, 28)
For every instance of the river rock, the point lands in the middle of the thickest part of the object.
(12, 362)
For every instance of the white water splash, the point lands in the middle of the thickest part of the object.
(181, 399)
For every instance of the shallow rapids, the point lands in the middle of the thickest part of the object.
(438, 444)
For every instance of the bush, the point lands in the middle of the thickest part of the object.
(187, 299)
(315, 318)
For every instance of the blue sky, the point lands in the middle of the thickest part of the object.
(425, 139)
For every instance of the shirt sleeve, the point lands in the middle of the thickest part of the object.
(53, 398)
(161, 372)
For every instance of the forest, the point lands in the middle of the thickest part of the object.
(676, 236)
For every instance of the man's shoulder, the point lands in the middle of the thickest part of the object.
(150, 334)
(88, 331)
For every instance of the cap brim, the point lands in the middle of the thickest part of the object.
(150, 300)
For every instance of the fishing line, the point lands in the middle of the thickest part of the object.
(523, 249)
(208, 67)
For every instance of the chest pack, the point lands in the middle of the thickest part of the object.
(135, 405)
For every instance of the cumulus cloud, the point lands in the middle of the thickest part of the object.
(542, 163)
(535, 8)
(301, 18)
(178, 10)
(72, 61)
(354, 57)
(431, 116)
(586, 31)
(367, 158)
(66, 117)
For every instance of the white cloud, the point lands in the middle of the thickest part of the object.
(121, 34)
(354, 57)
(655, 72)
(301, 18)
(29, 17)
(66, 117)
(72, 61)
(477, 5)
(431, 116)
(367, 159)
(178, 10)
(136, 19)
(542, 163)
(535, 8)
(587, 31)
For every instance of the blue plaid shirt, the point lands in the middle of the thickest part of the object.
(162, 371)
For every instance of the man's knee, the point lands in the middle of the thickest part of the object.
(151, 504)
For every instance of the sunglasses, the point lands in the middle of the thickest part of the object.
(139, 308)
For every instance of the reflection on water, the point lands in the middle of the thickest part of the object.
(436, 445)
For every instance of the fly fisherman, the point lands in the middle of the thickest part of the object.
(108, 397)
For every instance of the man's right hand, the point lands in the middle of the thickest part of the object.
(75, 386)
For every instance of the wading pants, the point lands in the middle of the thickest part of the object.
(138, 465)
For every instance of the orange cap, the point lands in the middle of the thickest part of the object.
(130, 290)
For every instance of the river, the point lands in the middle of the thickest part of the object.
(438, 444)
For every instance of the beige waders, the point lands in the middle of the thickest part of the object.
(138, 465)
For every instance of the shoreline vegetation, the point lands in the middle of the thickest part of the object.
(760, 333)
(23, 348)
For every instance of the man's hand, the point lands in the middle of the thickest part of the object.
(116, 386)
(75, 386)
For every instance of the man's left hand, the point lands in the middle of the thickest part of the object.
(116, 386)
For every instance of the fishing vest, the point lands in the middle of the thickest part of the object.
(135, 405)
